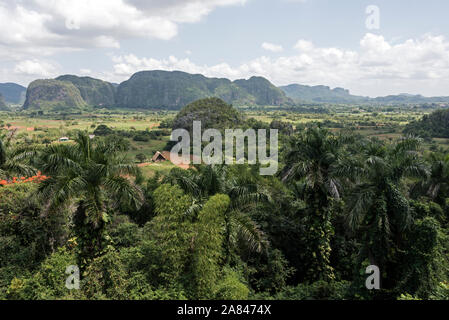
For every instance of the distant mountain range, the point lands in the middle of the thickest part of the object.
(3, 106)
(176, 89)
(321, 94)
(324, 94)
(150, 90)
(69, 91)
(54, 95)
(13, 93)
(94, 92)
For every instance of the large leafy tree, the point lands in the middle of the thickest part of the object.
(377, 206)
(192, 260)
(238, 184)
(94, 177)
(208, 246)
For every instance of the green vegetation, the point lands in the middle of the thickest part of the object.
(13, 93)
(435, 125)
(3, 106)
(212, 112)
(324, 94)
(13, 160)
(173, 90)
(320, 94)
(94, 92)
(87, 173)
(264, 92)
(352, 190)
(162, 90)
(53, 95)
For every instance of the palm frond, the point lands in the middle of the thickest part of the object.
(124, 191)
(58, 191)
(248, 231)
(360, 201)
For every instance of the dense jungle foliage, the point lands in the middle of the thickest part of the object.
(339, 203)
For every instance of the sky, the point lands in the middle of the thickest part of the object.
(373, 48)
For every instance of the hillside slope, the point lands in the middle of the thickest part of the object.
(3, 106)
(321, 94)
(95, 92)
(213, 113)
(324, 94)
(13, 93)
(435, 125)
(53, 95)
(264, 92)
(174, 90)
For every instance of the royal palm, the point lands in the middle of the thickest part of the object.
(92, 176)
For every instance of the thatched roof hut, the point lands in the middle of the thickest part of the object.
(159, 157)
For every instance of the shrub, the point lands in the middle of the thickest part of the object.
(231, 286)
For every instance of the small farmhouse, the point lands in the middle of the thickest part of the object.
(159, 157)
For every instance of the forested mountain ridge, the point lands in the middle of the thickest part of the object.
(12, 93)
(175, 89)
(95, 92)
(69, 92)
(2, 103)
(154, 89)
(169, 90)
(264, 91)
(53, 95)
(324, 94)
(321, 94)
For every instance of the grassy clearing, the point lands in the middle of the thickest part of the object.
(147, 148)
(163, 168)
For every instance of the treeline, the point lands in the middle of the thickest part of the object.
(435, 125)
(137, 135)
(340, 202)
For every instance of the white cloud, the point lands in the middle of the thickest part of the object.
(272, 47)
(43, 27)
(35, 68)
(303, 45)
(182, 11)
(85, 72)
(378, 67)
(126, 65)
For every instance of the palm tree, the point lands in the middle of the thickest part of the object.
(378, 208)
(238, 183)
(315, 157)
(14, 161)
(94, 177)
(437, 186)
(314, 167)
